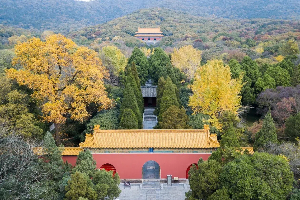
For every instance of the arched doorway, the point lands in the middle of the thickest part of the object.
(109, 167)
(188, 169)
(151, 170)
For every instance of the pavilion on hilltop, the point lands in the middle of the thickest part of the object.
(149, 35)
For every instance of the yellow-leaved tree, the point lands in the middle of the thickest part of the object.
(64, 77)
(187, 59)
(214, 91)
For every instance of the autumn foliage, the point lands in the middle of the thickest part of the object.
(64, 78)
(215, 91)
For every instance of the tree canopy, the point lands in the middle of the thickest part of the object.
(214, 91)
(64, 78)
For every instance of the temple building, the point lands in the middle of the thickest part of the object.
(147, 154)
(149, 35)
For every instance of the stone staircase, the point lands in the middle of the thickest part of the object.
(149, 119)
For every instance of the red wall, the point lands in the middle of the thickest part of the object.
(151, 38)
(129, 166)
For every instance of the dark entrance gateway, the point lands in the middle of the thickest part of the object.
(149, 94)
(151, 170)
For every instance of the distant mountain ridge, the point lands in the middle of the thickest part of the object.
(68, 15)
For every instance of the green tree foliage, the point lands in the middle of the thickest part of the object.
(169, 97)
(264, 82)
(197, 121)
(235, 68)
(158, 62)
(290, 151)
(114, 60)
(15, 115)
(53, 166)
(134, 80)
(267, 134)
(128, 120)
(106, 184)
(107, 119)
(295, 77)
(220, 194)
(85, 163)
(129, 102)
(251, 75)
(261, 176)
(20, 170)
(141, 62)
(230, 137)
(100, 186)
(174, 118)
(6, 57)
(160, 91)
(204, 179)
(80, 186)
(290, 48)
(160, 65)
(292, 127)
(280, 75)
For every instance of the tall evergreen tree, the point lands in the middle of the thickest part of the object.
(159, 92)
(169, 97)
(80, 186)
(174, 118)
(292, 130)
(129, 101)
(128, 120)
(52, 165)
(251, 75)
(267, 133)
(85, 163)
(141, 62)
(230, 137)
(138, 91)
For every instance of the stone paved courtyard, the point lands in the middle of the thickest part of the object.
(154, 191)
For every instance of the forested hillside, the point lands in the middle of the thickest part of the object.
(217, 37)
(66, 15)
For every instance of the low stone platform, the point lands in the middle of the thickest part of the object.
(154, 191)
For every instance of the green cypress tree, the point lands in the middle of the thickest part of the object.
(52, 155)
(141, 62)
(158, 62)
(266, 134)
(85, 163)
(80, 186)
(138, 91)
(174, 118)
(106, 184)
(230, 137)
(160, 90)
(292, 130)
(129, 101)
(169, 97)
(128, 120)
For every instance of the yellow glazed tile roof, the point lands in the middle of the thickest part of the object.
(66, 151)
(155, 138)
(148, 30)
(149, 35)
(71, 151)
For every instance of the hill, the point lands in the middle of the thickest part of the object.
(215, 36)
(68, 15)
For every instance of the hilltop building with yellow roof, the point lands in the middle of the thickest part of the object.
(149, 35)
